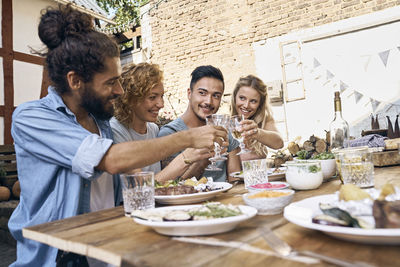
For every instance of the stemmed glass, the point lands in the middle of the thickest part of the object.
(217, 120)
(236, 133)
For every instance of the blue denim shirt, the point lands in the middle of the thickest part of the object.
(56, 157)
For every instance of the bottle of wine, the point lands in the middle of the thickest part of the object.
(339, 128)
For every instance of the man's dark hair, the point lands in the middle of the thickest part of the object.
(206, 71)
(73, 45)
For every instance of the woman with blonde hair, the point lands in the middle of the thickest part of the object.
(250, 100)
(136, 112)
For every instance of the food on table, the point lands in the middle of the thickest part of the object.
(277, 170)
(359, 208)
(324, 156)
(386, 213)
(269, 194)
(386, 190)
(343, 216)
(349, 192)
(268, 186)
(189, 186)
(175, 190)
(211, 210)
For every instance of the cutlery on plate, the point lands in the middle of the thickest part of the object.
(282, 248)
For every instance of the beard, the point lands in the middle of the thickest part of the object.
(96, 105)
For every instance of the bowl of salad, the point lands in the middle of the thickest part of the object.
(327, 160)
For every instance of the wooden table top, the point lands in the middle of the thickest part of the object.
(111, 237)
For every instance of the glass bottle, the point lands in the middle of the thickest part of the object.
(339, 128)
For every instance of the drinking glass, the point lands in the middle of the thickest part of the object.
(137, 191)
(236, 133)
(357, 168)
(254, 172)
(215, 120)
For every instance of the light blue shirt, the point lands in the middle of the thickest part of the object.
(179, 125)
(56, 159)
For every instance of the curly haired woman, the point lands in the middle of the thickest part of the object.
(136, 112)
(250, 99)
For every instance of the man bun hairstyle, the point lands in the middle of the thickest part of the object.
(73, 45)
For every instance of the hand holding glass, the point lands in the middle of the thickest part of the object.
(236, 129)
(216, 120)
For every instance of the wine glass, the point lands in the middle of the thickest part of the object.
(216, 120)
(236, 129)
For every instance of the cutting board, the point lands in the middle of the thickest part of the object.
(386, 158)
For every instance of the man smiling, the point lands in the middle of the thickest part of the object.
(63, 142)
(205, 95)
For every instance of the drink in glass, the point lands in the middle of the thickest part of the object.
(137, 191)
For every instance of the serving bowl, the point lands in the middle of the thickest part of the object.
(269, 205)
(304, 174)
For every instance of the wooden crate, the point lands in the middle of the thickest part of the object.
(386, 158)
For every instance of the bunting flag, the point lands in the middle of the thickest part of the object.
(343, 86)
(316, 63)
(357, 96)
(384, 56)
(329, 75)
(375, 103)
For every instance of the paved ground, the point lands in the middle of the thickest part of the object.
(7, 254)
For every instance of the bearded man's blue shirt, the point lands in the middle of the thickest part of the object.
(56, 159)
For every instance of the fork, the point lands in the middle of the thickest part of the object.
(282, 248)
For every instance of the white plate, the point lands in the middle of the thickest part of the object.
(301, 213)
(202, 227)
(193, 198)
(237, 174)
(271, 176)
(276, 176)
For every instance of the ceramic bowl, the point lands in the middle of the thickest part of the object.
(269, 205)
(328, 167)
(304, 175)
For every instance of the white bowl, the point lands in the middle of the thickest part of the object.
(328, 167)
(269, 205)
(304, 175)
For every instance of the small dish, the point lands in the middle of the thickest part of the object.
(269, 186)
(269, 205)
(304, 175)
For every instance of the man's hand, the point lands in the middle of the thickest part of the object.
(205, 136)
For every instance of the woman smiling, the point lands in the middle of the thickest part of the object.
(250, 100)
(136, 112)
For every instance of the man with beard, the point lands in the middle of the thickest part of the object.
(63, 142)
(205, 95)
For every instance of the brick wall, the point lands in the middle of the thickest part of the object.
(189, 33)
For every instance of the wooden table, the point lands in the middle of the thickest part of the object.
(111, 237)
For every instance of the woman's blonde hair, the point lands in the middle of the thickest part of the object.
(137, 82)
(263, 112)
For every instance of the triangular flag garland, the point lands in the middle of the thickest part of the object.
(343, 86)
(316, 63)
(357, 96)
(384, 56)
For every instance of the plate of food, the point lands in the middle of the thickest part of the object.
(276, 173)
(365, 217)
(237, 174)
(190, 191)
(191, 220)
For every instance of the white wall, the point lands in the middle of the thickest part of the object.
(353, 59)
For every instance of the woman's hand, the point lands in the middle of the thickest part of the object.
(249, 130)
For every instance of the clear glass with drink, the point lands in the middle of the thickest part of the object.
(357, 168)
(137, 191)
(254, 172)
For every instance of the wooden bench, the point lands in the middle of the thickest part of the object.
(8, 166)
